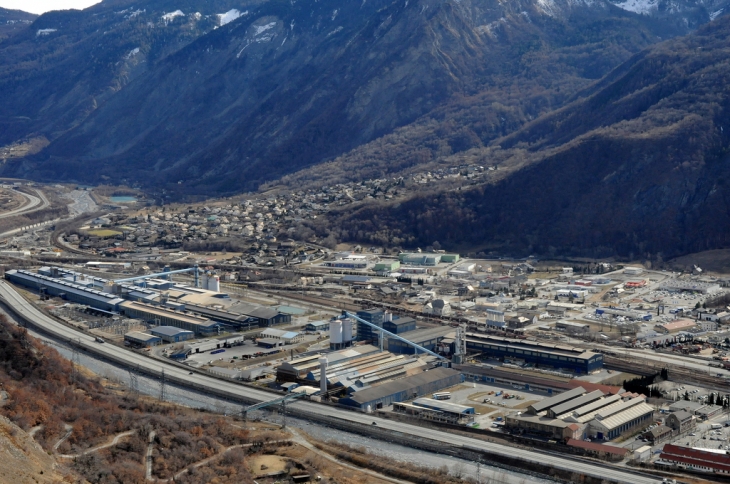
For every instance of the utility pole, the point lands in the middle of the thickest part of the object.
(283, 406)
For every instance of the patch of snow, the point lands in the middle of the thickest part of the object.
(197, 16)
(642, 7)
(170, 16)
(230, 16)
(338, 29)
(42, 32)
(489, 28)
(260, 29)
(547, 7)
(132, 53)
(135, 13)
(714, 15)
(334, 14)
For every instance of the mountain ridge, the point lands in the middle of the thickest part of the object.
(344, 75)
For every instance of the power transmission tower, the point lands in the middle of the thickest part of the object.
(162, 386)
(133, 384)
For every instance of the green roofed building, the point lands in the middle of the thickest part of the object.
(387, 266)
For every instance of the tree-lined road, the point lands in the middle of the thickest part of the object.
(181, 376)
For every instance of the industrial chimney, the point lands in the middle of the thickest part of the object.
(323, 375)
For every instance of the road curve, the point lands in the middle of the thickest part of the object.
(34, 204)
(181, 376)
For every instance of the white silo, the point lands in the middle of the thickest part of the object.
(214, 283)
(347, 332)
(323, 374)
(336, 334)
(204, 280)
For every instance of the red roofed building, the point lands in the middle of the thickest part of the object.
(598, 450)
(592, 387)
(697, 459)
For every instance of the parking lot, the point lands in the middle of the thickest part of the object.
(492, 402)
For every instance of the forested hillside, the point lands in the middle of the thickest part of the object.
(638, 168)
(196, 98)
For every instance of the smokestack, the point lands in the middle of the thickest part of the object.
(323, 374)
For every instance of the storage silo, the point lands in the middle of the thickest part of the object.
(336, 334)
(204, 280)
(214, 283)
(346, 333)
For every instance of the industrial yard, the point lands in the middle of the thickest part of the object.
(597, 361)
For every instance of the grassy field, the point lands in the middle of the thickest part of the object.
(104, 233)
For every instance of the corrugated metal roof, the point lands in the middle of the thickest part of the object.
(606, 413)
(576, 402)
(557, 399)
(592, 407)
(443, 406)
(591, 415)
(625, 416)
(396, 386)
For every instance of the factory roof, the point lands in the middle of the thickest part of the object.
(576, 403)
(596, 447)
(606, 413)
(167, 313)
(140, 336)
(63, 284)
(622, 416)
(170, 330)
(587, 417)
(538, 419)
(263, 313)
(547, 403)
(697, 457)
(595, 405)
(442, 405)
(397, 386)
(426, 334)
(402, 321)
(563, 350)
(279, 333)
(215, 313)
(679, 324)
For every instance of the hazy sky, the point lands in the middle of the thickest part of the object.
(40, 6)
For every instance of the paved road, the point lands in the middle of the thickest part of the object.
(32, 204)
(182, 376)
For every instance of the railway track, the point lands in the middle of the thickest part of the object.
(645, 367)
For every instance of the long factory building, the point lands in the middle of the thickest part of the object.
(542, 355)
(144, 303)
(65, 289)
(578, 413)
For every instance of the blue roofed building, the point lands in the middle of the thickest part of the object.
(171, 334)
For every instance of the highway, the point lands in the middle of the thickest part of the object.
(33, 204)
(183, 377)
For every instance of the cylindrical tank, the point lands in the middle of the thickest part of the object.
(214, 283)
(346, 331)
(204, 280)
(336, 332)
